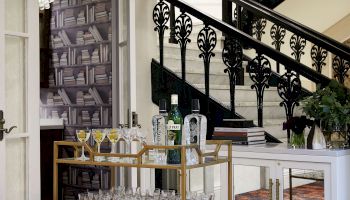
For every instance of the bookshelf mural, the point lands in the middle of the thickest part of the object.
(80, 76)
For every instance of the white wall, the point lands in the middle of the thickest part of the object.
(146, 40)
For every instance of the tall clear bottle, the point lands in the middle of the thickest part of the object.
(195, 126)
(174, 127)
(159, 123)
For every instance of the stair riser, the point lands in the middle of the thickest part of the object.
(199, 79)
(270, 112)
(195, 66)
(193, 53)
(245, 95)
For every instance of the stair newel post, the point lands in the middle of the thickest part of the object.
(341, 68)
(260, 72)
(318, 56)
(161, 18)
(277, 34)
(206, 42)
(182, 31)
(232, 57)
(172, 38)
(289, 89)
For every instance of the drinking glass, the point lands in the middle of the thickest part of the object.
(113, 135)
(98, 135)
(83, 136)
(128, 136)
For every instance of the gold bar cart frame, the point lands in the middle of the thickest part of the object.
(216, 159)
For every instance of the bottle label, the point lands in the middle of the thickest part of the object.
(173, 127)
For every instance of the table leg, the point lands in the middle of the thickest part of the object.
(183, 173)
(55, 173)
(229, 168)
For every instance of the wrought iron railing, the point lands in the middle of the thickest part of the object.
(259, 68)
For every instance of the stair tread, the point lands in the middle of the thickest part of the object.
(227, 87)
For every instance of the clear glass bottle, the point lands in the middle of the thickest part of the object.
(195, 126)
(159, 123)
(174, 130)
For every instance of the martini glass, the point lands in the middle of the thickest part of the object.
(83, 136)
(98, 136)
(113, 135)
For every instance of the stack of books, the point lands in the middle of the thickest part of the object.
(105, 117)
(79, 39)
(56, 41)
(101, 14)
(96, 118)
(65, 39)
(54, 114)
(63, 60)
(94, 93)
(69, 19)
(101, 75)
(53, 22)
(85, 117)
(81, 17)
(85, 57)
(55, 60)
(110, 33)
(64, 96)
(57, 100)
(68, 77)
(49, 99)
(51, 80)
(244, 136)
(64, 116)
(95, 58)
(110, 97)
(64, 3)
(81, 78)
(89, 100)
(80, 98)
(89, 38)
(104, 53)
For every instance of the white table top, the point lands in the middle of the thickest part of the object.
(282, 148)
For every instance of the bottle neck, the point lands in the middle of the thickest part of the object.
(174, 106)
(195, 111)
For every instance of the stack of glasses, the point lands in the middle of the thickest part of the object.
(138, 194)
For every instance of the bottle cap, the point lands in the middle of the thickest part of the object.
(174, 99)
(162, 105)
(195, 105)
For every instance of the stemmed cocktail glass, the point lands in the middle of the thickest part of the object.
(83, 136)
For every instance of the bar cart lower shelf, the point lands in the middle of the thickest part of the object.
(141, 160)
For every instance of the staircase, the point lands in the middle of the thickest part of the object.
(217, 90)
(246, 102)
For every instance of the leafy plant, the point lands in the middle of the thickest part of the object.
(297, 124)
(331, 105)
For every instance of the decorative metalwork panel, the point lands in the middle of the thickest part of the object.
(341, 68)
(289, 89)
(206, 42)
(297, 44)
(161, 18)
(277, 34)
(183, 29)
(232, 57)
(318, 55)
(260, 72)
(258, 27)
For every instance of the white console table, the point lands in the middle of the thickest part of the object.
(335, 165)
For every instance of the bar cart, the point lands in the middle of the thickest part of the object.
(141, 160)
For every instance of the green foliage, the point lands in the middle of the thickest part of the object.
(331, 105)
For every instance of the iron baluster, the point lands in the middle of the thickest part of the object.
(259, 25)
(183, 29)
(172, 25)
(206, 42)
(318, 55)
(259, 72)
(277, 34)
(289, 89)
(297, 44)
(160, 18)
(232, 57)
(341, 68)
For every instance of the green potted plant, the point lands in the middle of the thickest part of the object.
(330, 108)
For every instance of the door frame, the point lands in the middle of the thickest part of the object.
(32, 136)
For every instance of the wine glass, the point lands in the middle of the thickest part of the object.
(98, 136)
(83, 136)
(113, 135)
(127, 136)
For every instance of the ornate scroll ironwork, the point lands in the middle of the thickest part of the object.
(183, 29)
(277, 34)
(206, 42)
(289, 89)
(318, 55)
(297, 44)
(258, 27)
(259, 72)
(341, 68)
(160, 18)
(232, 57)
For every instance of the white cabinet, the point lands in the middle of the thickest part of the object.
(262, 172)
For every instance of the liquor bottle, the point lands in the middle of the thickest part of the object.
(174, 129)
(159, 123)
(195, 126)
